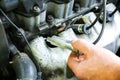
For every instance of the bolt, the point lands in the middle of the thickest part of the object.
(36, 9)
(96, 7)
(50, 19)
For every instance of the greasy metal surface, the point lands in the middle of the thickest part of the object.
(52, 60)
(3, 45)
(31, 23)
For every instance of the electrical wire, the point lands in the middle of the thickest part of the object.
(89, 27)
(15, 26)
(72, 22)
(104, 22)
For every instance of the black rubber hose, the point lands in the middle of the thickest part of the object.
(104, 23)
(89, 27)
(24, 67)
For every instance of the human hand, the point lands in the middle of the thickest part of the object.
(96, 63)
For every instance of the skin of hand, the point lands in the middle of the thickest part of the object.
(96, 63)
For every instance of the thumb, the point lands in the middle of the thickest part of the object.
(82, 46)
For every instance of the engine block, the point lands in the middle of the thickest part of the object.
(28, 24)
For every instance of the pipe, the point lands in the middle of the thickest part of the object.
(24, 67)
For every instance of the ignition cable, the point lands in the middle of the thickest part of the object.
(89, 27)
(104, 23)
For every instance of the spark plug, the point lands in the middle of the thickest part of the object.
(64, 44)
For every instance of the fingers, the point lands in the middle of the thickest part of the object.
(82, 46)
(77, 57)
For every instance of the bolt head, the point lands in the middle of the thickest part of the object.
(36, 9)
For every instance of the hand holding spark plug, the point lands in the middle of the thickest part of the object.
(91, 62)
(59, 42)
(96, 63)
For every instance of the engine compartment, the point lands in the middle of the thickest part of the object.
(25, 54)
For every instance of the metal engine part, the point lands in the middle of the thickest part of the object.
(60, 9)
(47, 57)
(28, 24)
(32, 22)
(24, 67)
(86, 3)
(4, 52)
